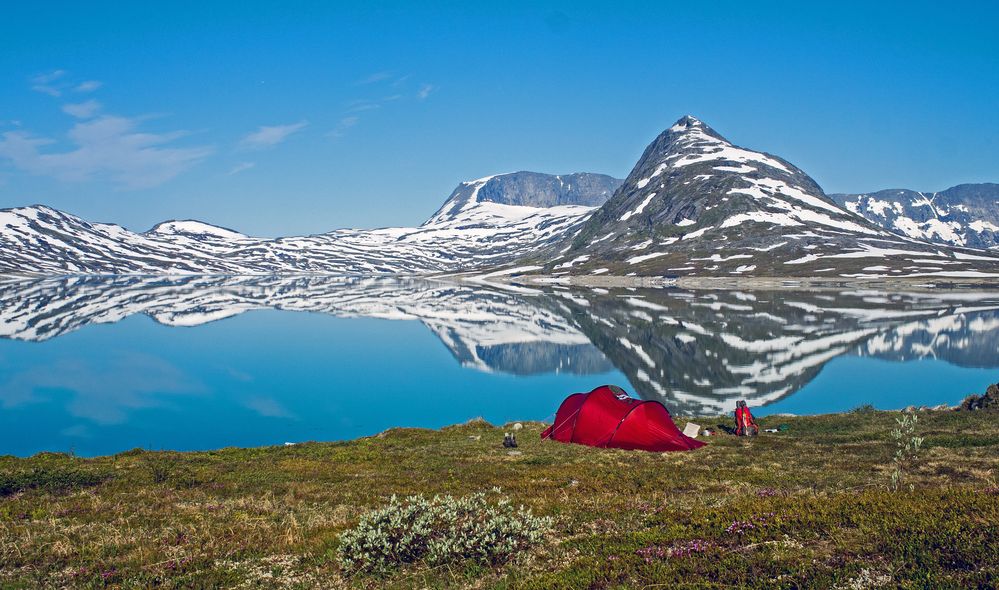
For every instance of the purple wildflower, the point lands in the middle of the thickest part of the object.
(677, 550)
(690, 547)
(739, 527)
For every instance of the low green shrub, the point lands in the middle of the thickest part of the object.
(440, 531)
(53, 480)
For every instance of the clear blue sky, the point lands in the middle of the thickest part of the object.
(292, 117)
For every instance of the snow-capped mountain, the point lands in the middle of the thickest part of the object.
(528, 189)
(963, 215)
(695, 204)
(484, 222)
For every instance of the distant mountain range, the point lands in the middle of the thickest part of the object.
(963, 215)
(484, 222)
(695, 204)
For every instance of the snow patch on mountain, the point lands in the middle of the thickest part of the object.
(965, 215)
(485, 222)
(763, 212)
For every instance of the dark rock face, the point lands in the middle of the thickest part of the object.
(695, 204)
(963, 215)
(537, 358)
(531, 189)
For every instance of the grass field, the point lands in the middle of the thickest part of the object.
(808, 508)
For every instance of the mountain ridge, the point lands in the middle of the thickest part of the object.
(696, 204)
(962, 215)
(40, 240)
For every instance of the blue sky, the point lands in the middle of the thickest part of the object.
(295, 117)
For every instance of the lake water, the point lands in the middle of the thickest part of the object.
(100, 365)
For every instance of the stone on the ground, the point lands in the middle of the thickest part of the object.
(988, 401)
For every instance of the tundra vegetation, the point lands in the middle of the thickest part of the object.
(812, 507)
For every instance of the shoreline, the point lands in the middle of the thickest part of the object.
(605, 280)
(750, 283)
(679, 419)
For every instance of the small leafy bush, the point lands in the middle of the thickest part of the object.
(907, 446)
(439, 531)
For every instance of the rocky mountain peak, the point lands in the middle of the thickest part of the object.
(529, 189)
(689, 124)
(695, 204)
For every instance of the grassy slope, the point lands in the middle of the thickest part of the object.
(270, 517)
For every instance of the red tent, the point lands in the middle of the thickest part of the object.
(608, 417)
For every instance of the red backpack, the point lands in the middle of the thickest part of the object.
(745, 425)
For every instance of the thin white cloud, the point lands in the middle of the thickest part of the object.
(358, 106)
(345, 123)
(48, 77)
(108, 146)
(369, 104)
(44, 89)
(82, 110)
(54, 83)
(270, 135)
(425, 91)
(268, 407)
(241, 167)
(403, 91)
(373, 78)
(44, 82)
(88, 86)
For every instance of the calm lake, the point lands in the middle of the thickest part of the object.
(101, 365)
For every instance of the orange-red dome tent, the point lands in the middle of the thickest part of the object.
(609, 417)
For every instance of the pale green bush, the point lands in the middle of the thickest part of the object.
(907, 446)
(438, 531)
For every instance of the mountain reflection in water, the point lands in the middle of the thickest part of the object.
(697, 352)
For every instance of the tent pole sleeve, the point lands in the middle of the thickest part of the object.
(623, 418)
(557, 427)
